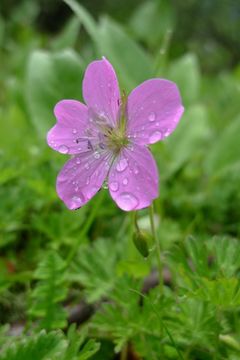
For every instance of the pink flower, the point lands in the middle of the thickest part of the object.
(108, 138)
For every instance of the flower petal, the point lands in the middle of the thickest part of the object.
(133, 178)
(101, 91)
(153, 111)
(73, 133)
(82, 177)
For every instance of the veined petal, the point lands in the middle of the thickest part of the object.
(73, 132)
(101, 91)
(133, 178)
(154, 109)
(82, 177)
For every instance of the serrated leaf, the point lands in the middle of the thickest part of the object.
(49, 291)
(39, 347)
(95, 269)
(223, 293)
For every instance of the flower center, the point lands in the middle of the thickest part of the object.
(116, 139)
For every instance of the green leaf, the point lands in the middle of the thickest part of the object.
(185, 72)
(225, 150)
(225, 256)
(50, 346)
(42, 346)
(77, 341)
(132, 64)
(50, 78)
(68, 37)
(49, 292)
(188, 139)
(223, 293)
(157, 17)
(85, 17)
(95, 269)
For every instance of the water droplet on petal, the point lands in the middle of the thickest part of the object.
(87, 181)
(63, 149)
(105, 185)
(125, 181)
(155, 136)
(136, 171)
(86, 166)
(78, 161)
(77, 201)
(114, 186)
(152, 117)
(127, 201)
(96, 155)
(74, 131)
(122, 165)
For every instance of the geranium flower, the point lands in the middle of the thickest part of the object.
(108, 138)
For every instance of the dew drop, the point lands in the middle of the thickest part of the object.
(136, 171)
(155, 136)
(114, 186)
(152, 117)
(63, 149)
(122, 165)
(86, 166)
(105, 185)
(125, 181)
(127, 201)
(78, 161)
(96, 155)
(74, 131)
(88, 181)
(76, 201)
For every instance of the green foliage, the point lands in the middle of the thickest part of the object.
(53, 345)
(57, 266)
(49, 292)
(95, 269)
(59, 76)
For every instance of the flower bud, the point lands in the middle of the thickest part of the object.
(141, 240)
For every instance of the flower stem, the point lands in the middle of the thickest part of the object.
(158, 248)
(124, 353)
(85, 228)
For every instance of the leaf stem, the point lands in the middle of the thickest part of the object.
(85, 228)
(158, 248)
(124, 353)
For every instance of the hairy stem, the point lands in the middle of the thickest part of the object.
(158, 248)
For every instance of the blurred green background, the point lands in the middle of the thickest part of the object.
(45, 47)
